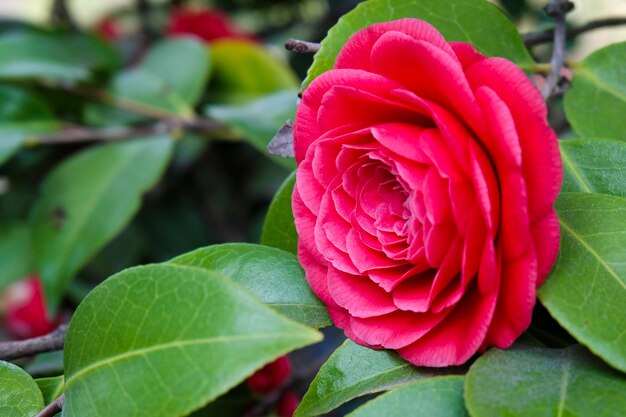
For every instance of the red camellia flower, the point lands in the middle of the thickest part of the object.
(25, 314)
(271, 376)
(207, 25)
(424, 195)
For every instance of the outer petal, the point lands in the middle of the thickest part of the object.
(458, 337)
(356, 52)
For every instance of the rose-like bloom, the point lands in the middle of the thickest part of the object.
(206, 24)
(424, 194)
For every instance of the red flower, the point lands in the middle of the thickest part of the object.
(208, 25)
(287, 404)
(424, 195)
(25, 314)
(271, 376)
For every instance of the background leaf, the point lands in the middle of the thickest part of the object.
(594, 166)
(274, 276)
(244, 70)
(586, 290)
(541, 382)
(183, 64)
(279, 229)
(15, 254)
(86, 201)
(51, 387)
(69, 57)
(166, 339)
(432, 397)
(457, 20)
(259, 120)
(599, 83)
(19, 394)
(21, 112)
(354, 370)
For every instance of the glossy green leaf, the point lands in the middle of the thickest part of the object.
(279, 229)
(353, 371)
(86, 201)
(183, 64)
(163, 340)
(259, 120)
(432, 397)
(274, 276)
(542, 382)
(244, 70)
(586, 290)
(594, 166)
(19, 394)
(15, 254)
(70, 56)
(51, 387)
(457, 20)
(596, 103)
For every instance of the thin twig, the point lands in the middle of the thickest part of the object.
(81, 134)
(24, 348)
(53, 408)
(302, 47)
(113, 100)
(61, 14)
(557, 9)
(538, 38)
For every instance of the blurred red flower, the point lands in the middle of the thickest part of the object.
(25, 314)
(271, 376)
(205, 24)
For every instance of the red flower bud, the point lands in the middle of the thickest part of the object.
(271, 376)
(25, 314)
(287, 404)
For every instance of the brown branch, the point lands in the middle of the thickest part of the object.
(53, 408)
(113, 100)
(557, 9)
(24, 348)
(538, 38)
(81, 134)
(302, 47)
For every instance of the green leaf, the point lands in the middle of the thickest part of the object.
(163, 340)
(86, 201)
(181, 63)
(274, 276)
(594, 166)
(146, 90)
(596, 103)
(21, 112)
(19, 394)
(432, 397)
(279, 229)
(457, 20)
(353, 371)
(51, 387)
(65, 57)
(18, 105)
(542, 382)
(586, 290)
(244, 70)
(259, 120)
(15, 254)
